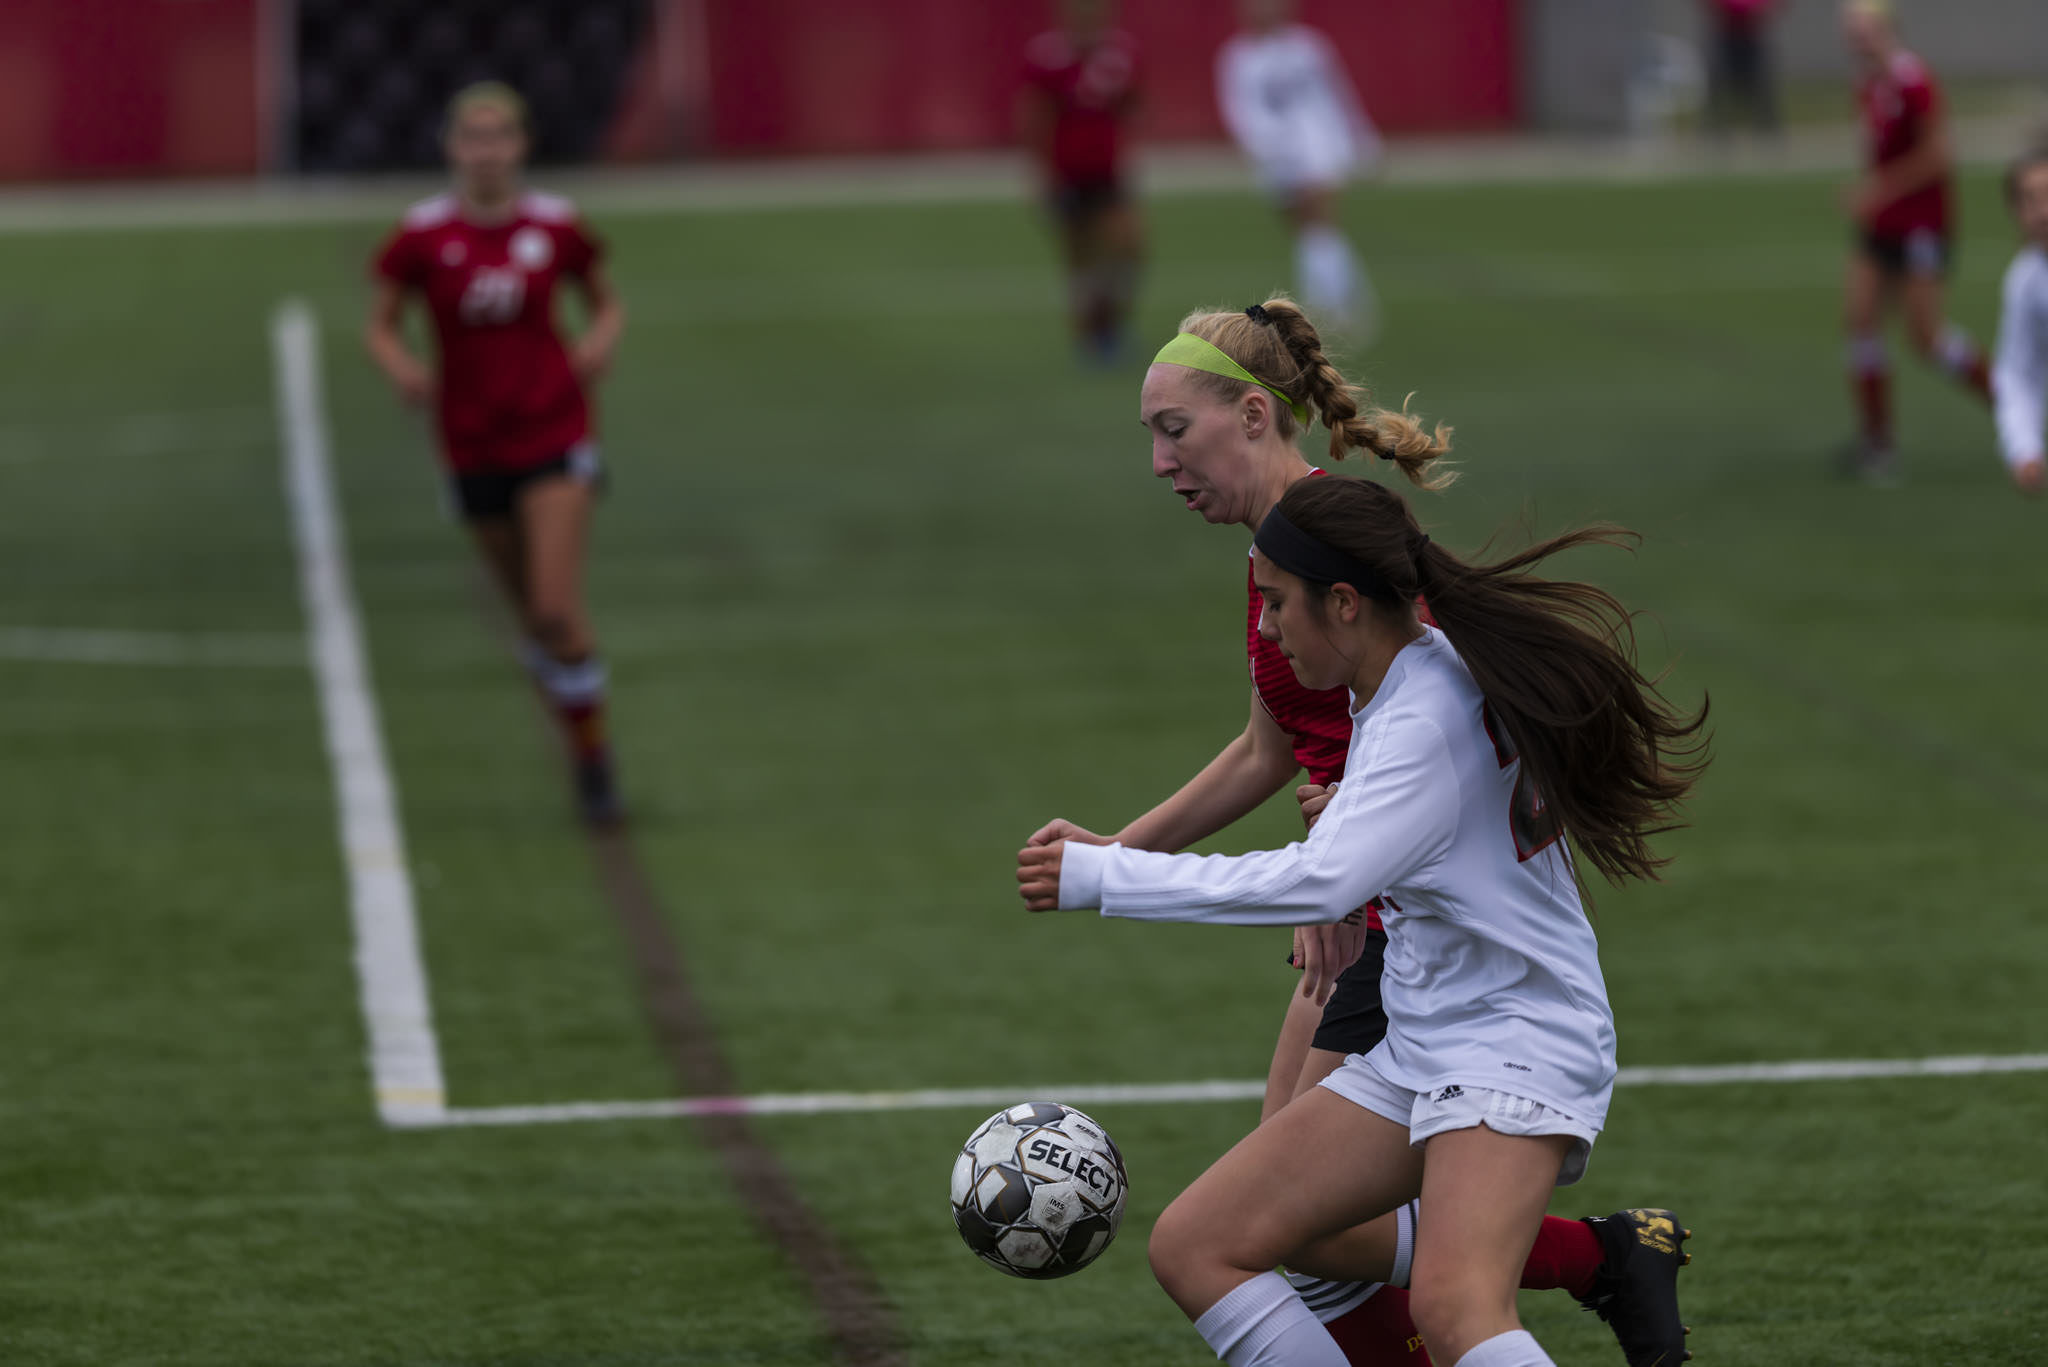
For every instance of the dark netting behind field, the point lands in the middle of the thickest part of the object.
(373, 76)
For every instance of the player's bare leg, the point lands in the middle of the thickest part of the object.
(1871, 456)
(554, 517)
(1923, 299)
(1332, 282)
(1214, 1247)
(1485, 1193)
(503, 550)
(1568, 1255)
(1288, 1078)
(1120, 236)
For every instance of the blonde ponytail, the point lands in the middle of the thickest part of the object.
(1276, 342)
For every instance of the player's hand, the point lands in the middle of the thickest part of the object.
(1313, 797)
(1862, 200)
(414, 382)
(1062, 829)
(590, 358)
(1324, 952)
(2031, 477)
(1038, 875)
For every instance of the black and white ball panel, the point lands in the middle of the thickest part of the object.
(1038, 1190)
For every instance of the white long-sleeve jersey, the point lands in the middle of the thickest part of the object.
(1492, 971)
(1289, 105)
(2019, 378)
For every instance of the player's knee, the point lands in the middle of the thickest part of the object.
(1925, 341)
(1450, 1306)
(1172, 1249)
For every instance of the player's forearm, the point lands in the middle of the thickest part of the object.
(387, 350)
(607, 324)
(1927, 164)
(1229, 786)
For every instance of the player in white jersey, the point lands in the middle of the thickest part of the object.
(2019, 379)
(1287, 101)
(1474, 748)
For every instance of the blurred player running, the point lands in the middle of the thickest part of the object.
(1080, 88)
(2021, 374)
(1292, 109)
(1904, 224)
(516, 435)
(1225, 415)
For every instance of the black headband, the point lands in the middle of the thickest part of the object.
(1302, 555)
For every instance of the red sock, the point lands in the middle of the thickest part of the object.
(583, 725)
(1379, 1333)
(1874, 405)
(1975, 374)
(1567, 1254)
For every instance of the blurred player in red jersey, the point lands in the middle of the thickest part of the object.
(510, 394)
(1080, 89)
(1739, 65)
(1227, 442)
(1904, 223)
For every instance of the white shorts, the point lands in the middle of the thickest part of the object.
(1461, 1107)
(1318, 158)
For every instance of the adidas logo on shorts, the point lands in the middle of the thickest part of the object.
(1451, 1093)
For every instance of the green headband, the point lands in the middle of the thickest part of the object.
(1198, 353)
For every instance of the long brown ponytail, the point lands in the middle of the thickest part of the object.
(1276, 342)
(1555, 660)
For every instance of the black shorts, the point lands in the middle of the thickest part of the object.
(1923, 251)
(1074, 200)
(1353, 1019)
(486, 495)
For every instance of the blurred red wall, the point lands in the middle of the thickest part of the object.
(121, 87)
(829, 76)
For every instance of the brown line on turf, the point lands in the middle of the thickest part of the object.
(858, 1318)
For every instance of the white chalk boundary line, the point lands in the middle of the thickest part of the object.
(988, 1098)
(95, 646)
(405, 1058)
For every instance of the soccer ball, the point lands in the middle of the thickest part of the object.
(1038, 1190)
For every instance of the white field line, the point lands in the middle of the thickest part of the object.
(95, 646)
(405, 1059)
(840, 1103)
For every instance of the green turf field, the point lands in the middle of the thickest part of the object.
(886, 583)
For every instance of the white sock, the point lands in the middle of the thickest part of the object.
(1264, 1324)
(1955, 349)
(582, 682)
(1404, 1242)
(1518, 1349)
(1329, 273)
(1866, 355)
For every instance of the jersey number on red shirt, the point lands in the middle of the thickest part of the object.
(494, 295)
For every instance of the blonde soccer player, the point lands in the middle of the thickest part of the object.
(2020, 377)
(1289, 104)
(511, 396)
(1225, 403)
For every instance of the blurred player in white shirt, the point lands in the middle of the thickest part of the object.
(2020, 376)
(1286, 99)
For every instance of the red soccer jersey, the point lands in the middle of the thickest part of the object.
(1900, 105)
(1092, 91)
(508, 397)
(1317, 720)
